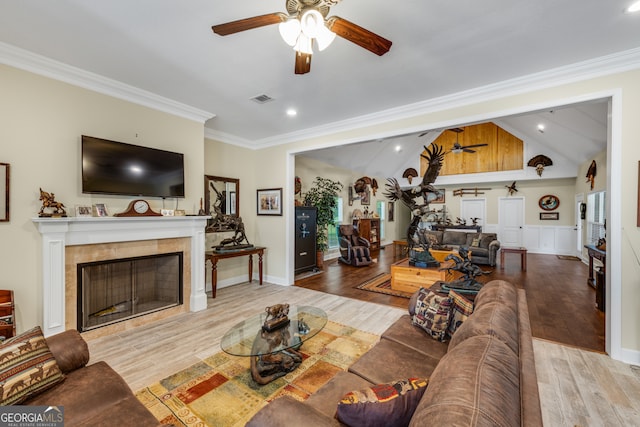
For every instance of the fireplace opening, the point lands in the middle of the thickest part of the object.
(112, 291)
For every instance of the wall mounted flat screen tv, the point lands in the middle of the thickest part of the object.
(110, 167)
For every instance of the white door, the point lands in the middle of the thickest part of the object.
(473, 208)
(511, 221)
(579, 220)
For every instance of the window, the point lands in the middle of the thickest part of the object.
(596, 219)
(382, 213)
(337, 220)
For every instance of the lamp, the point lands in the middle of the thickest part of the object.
(300, 32)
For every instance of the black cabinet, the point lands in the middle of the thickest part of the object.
(305, 235)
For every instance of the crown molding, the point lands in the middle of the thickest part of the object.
(580, 71)
(38, 64)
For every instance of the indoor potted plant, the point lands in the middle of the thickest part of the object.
(323, 196)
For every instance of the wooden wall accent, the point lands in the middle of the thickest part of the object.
(503, 153)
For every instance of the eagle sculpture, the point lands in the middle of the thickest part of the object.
(425, 190)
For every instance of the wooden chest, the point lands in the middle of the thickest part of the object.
(407, 278)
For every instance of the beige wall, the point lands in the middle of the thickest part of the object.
(42, 121)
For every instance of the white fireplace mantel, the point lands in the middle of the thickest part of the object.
(57, 233)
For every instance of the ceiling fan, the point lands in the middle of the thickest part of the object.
(305, 24)
(457, 148)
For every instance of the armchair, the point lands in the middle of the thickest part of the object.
(354, 250)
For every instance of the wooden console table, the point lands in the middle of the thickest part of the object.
(599, 255)
(214, 256)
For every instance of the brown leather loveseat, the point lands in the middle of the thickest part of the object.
(484, 376)
(92, 395)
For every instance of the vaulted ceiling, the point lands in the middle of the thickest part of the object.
(166, 49)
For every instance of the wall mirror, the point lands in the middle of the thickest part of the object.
(222, 202)
(4, 192)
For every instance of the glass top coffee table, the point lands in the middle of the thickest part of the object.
(275, 353)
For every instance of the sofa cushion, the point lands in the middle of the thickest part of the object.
(497, 291)
(492, 319)
(387, 361)
(473, 240)
(324, 400)
(432, 313)
(287, 411)
(382, 405)
(404, 332)
(27, 367)
(461, 309)
(433, 236)
(454, 238)
(475, 384)
(486, 239)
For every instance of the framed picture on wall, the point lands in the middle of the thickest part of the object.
(269, 201)
(549, 215)
(365, 197)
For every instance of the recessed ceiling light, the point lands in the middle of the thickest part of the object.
(541, 128)
(291, 112)
(398, 148)
(635, 7)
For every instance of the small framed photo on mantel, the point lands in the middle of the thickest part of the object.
(100, 209)
(270, 201)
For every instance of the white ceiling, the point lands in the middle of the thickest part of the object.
(440, 47)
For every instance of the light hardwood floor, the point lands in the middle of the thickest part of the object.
(577, 387)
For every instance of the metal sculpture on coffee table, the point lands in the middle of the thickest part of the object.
(467, 283)
(425, 190)
(274, 361)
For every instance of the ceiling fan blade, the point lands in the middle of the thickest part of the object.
(476, 145)
(248, 23)
(466, 150)
(303, 63)
(358, 35)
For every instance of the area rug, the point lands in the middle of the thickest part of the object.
(382, 285)
(219, 390)
(568, 257)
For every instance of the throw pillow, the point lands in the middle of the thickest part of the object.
(27, 367)
(384, 405)
(461, 309)
(475, 242)
(432, 313)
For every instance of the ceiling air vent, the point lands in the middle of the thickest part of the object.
(262, 99)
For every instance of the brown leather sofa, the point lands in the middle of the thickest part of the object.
(92, 395)
(484, 376)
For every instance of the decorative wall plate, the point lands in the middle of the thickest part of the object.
(549, 202)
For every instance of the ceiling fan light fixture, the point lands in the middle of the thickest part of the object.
(311, 23)
(289, 31)
(324, 38)
(304, 45)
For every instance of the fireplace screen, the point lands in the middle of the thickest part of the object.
(116, 290)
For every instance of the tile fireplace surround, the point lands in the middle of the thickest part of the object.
(95, 233)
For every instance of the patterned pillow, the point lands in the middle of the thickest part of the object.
(384, 405)
(27, 367)
(461, 309)
(432, 313)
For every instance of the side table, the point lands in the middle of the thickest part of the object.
(523, 256)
